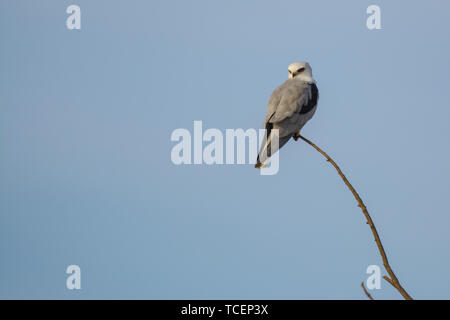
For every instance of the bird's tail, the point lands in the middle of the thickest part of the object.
(266, 150)
(259, 164)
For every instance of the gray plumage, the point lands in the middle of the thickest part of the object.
(290, 107)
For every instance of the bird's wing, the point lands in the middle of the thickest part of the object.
(289, 98)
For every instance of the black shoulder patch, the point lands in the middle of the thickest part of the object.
(269, 127)
(313, 101)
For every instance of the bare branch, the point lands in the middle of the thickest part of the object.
(393, 279)
(365, 291)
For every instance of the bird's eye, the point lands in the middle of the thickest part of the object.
(300, 70)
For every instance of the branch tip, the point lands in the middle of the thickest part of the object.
(393, 280)
(365, 291)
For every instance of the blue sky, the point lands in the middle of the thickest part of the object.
(85, 171)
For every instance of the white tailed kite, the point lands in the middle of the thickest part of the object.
(290, 106)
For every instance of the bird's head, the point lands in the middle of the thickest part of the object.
(301, 71)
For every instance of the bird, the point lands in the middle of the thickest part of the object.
(290, 107)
